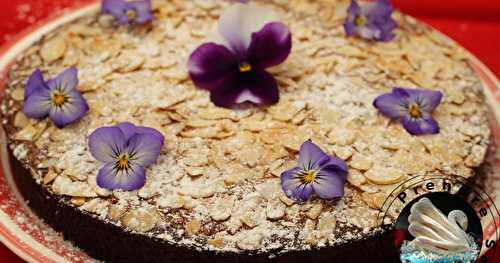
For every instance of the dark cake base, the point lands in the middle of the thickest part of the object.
(110, 243)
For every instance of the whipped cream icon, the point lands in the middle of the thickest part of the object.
(434, 231)
(438, 237)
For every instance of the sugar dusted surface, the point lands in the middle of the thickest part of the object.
(216, 183)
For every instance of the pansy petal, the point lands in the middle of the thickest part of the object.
(147, 130)
(293, 187)
(330, 180)
(334, 164)
(69, 112)
(66, 81)
(311, 156)
(353, 10)
(427, 99)
(302, 193)
(130, 179)
(211, 64)
(270, 46)
(378, 9)
(377, 21)
(392, 105)
(35, 82)
(112, 6)
(369, 32)
(387, 29)
(144, 148)
(116, 8)
(128, 129)
(227, 93)
(262, 87)
(424, 125)
(143, 11)
(290, 178)
(239, 21)
(257, 87)
(401, 93)
(329, 185)
(106, 143)
(37, 104)
(350, 28)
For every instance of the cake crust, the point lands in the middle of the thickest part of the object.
(216, 184)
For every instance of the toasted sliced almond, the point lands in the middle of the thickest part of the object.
(200, 123)
(341, 137)
(17, 94)
(50, 176)
(210, 132)
(20, 120)
(128, 61)
(221, 210)
(174, 201)
(215, 114)
(275, 209)
(28, 133)
(53, 49)
(269, 190)
(216, 242)
(64, 186)
(360, 162)
(251, 154)
(141, 219)
(384, 175)
(249, 240)
(355, 178)
(374, 200)
(195, 171)
(327, 223)
(250, 219)
(315, 211)
(285, 111)
(193, 227)
(78, 201)
(91, 180)
(287, 201)
(115, 211)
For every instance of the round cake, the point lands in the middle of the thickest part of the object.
(216, 191)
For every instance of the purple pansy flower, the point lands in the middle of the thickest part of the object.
(57, 98)
(372, 21)
(317, 174)
(234, 71)
(413, 107)
(125, 12)
(126, 150)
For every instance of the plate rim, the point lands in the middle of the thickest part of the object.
(15, 239)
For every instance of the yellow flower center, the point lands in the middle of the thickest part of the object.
(309, 177)
(245, 67)
(59, 99)
(360, 21)
(123, 162)
(415, 111)
(131, 14)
